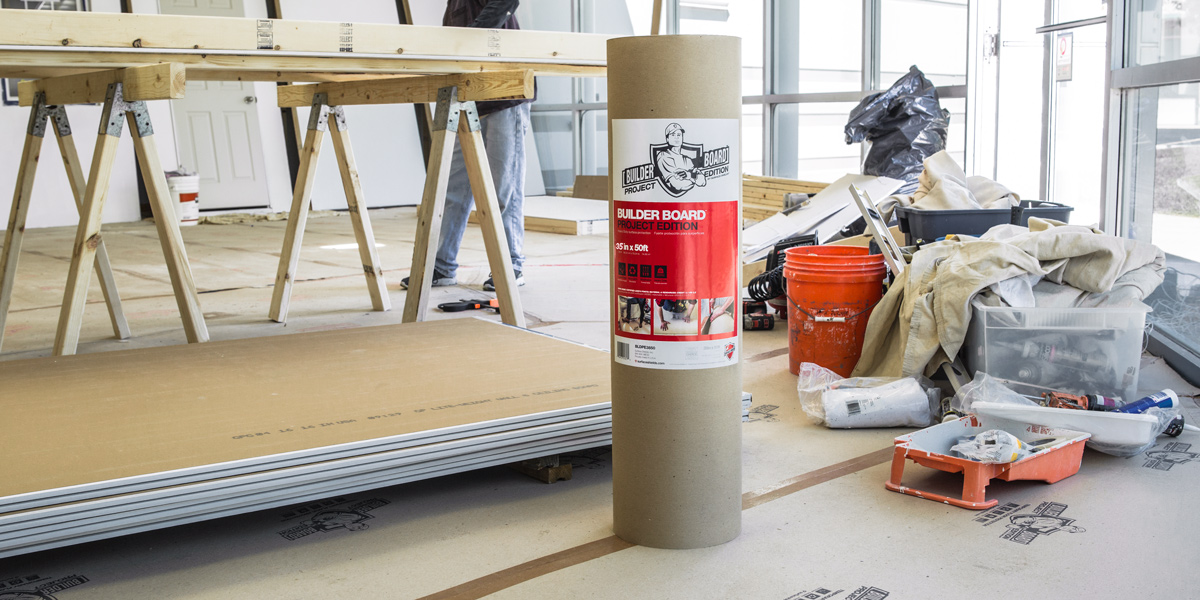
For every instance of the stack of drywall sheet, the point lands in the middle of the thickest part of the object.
(763, 196)
(109, 444)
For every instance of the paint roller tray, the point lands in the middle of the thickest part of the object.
(930, 447)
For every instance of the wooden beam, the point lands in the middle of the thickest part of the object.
(110, 30)
(429, 223)
(87, 237)
(35, 62)
(495, 240)
(18, 213)
(289, 256)
(104, 274)
(359, 217)
(492, 85)
(150, 82)
(169, 236)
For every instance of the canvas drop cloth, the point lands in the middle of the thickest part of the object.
(945, 186)
(922, 320)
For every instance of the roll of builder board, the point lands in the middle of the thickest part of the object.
(674, 106)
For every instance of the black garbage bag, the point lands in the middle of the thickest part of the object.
(905, 125)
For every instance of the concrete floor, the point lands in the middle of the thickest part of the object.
(818, 524)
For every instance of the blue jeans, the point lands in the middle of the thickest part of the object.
(504, 142)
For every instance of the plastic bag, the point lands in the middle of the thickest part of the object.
(986, 388)
(830, 400)
(904, 125)
(1165, 416)
(992, 446)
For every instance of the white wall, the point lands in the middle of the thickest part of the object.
(385, 141)
(52, 204)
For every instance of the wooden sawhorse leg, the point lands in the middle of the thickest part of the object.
(87, 236)
(40, 116)
(451, 116)
(333, 118)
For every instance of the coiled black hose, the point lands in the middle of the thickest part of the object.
(767, 285)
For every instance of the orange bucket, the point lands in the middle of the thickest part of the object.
(831, 291)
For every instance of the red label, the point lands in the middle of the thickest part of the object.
(681, 257)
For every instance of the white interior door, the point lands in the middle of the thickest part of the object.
(216, 127)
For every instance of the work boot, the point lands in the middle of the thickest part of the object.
(440, 279)
(490, 286)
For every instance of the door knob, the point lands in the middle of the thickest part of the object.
(250, 99)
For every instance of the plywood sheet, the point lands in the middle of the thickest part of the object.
(81, 419)
(569, 216)
(591, 186)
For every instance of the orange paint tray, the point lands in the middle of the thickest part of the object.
(930, 447)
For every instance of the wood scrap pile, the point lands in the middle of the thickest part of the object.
(764, 196)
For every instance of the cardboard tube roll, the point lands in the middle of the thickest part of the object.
(674, 107)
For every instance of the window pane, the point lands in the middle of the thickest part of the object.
(822, 152)
(1075, 10)
(595, 142)
(1163, 30)
(956, 134)
(1019, 99)
(931, 34)
(752, 139)
(1078, 128)
(1161, 198)
(555, 147)
(826, 47)
(741, 19)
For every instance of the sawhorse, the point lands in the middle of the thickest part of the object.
(455, 113)
(124, 92)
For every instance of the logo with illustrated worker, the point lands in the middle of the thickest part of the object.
(676, 166)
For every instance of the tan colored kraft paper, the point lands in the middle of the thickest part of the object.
(80, 419)
(676, 433)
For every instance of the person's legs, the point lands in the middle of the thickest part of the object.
(504, 135)
(454, 220)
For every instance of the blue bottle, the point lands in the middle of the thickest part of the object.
(1163, 399)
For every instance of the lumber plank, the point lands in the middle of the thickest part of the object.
(359, 218)
(784, 180)
(429, 224)
(164, 81)
(490, 220)
(144, 31)
(491, 85)
(17, 215)
(104, 274)
(87, 238)
(289, 255)
(35, 62)
(780, 189)
(169, 236)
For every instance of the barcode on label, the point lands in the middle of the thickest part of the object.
(853, 407)
(623, 350)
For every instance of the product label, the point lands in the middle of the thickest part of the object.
(676, 189)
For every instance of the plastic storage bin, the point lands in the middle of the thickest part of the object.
(923, 226)
(1078, 350)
